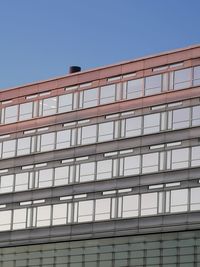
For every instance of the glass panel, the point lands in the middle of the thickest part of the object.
(181, 118)
(134, 88)
(179, 200)
(150, 163)
(25, 111)
(180, 158)
(65, 103)
(23, 146)
(19, 219)
(63, 139)
(90, 98)
(130, 206)
(61, 175)
(105, 131)
(102, 209)
(85, 211)
(133, 127)
(49, 106)
(104, 169)
(149, 204)
(21, 181)
(131, 165)
(59, 214)
(196, 75)
(196, 116)
(43, 215)
(11, 114)
(45, 177)
(182, 78)
(47, 141)
(107, 94)
(5, 221)
(153, 84)
(195, 199)
(195, 161)
(89, 134)
(6, 183)
(87, 171)
(9, 148)
(151, 123)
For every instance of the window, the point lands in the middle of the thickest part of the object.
(63, 139)
(89, 134)
(196, 116)
(179, 200)
(45, 178)
(47, 141)
(87, 171)
(6, 183)
(106, 131)
(180, 158)
(130, 206)
(61, 175)
(43, 216)
(134, 88)
(65, 103)
(181, 118)
(196, 80)
(131, 165)
(107, 94)
(85, 211)
(90, 98)
(104, 169)
(149, 204)
(19, 219)
(195, 199)
(49, 106)
(153, 84)
(133, 127)
(23, 146)
(25, 111)
(182, 78)
(150, 163)
(195, 160)
(21, 181)
(9, 148)
(102, 209)
(59, 214)
(11, 114)
(5, 221)
(151, 123)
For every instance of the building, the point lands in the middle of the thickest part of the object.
(101, 168)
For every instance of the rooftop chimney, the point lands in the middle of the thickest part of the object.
(73, 69)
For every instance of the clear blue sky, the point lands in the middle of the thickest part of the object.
(40, 39)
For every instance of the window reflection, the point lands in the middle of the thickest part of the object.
(153, 85)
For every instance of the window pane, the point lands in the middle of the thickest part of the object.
(63, 139)
(195, 156)
(90, 98)
(153, 84)
(179, 200)
(6, 183)
(87, 171)
(130, 206)
(134, 88)
(195, 199)
(151, 123)
(47, 141)
(5, 221)
(61, 175)
(149, 204)
(107, 94)
(150, 163)
(49, 106)
(89, 134)
(21, 181)
(11, 114)
(19, 219)
(59, 214)
(181, 118)
(196, 75)
(25, 111)
(131, 165)
(65, 103)
(180, 158)
(182, 78)
(106, 131)
(196, 116)
(85, 211)
(45, 178)
(9, 148)
(24, 146)
(102, 209)
(43, 216)
(133, 127)
(104, 169)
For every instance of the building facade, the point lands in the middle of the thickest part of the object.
(101, 168)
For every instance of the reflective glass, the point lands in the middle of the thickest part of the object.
(149, 204)
(89, 134)
(85, 211)
(196, 75)
(195, 199)
(151, 123)
(150, 162)
(61, 175)
(47, 141)
(9, 148)
(135, 88)
(65, 103)
(133, 127)
(43, 215)
(196, 116)
(181, 118)
(6, 184)
(107, 94)
(59, 214)
(87, 171)
(102, 209)
(5, 222)
(179, 200)
(131, 165)
(105, 131)
(130, 206)
(180, 158)
(11, 114)
(45, 178)
(19, 219)
(90, 98)
(153, 84)
(104, 169)
(49, 106)
(25, 111)
(23, 146)
(195, 158)
(63, 139)
(21, 181)
(182, 78)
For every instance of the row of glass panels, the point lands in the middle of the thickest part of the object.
(102, 132)
(103, 169)
(151, 85)
(147, 204)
